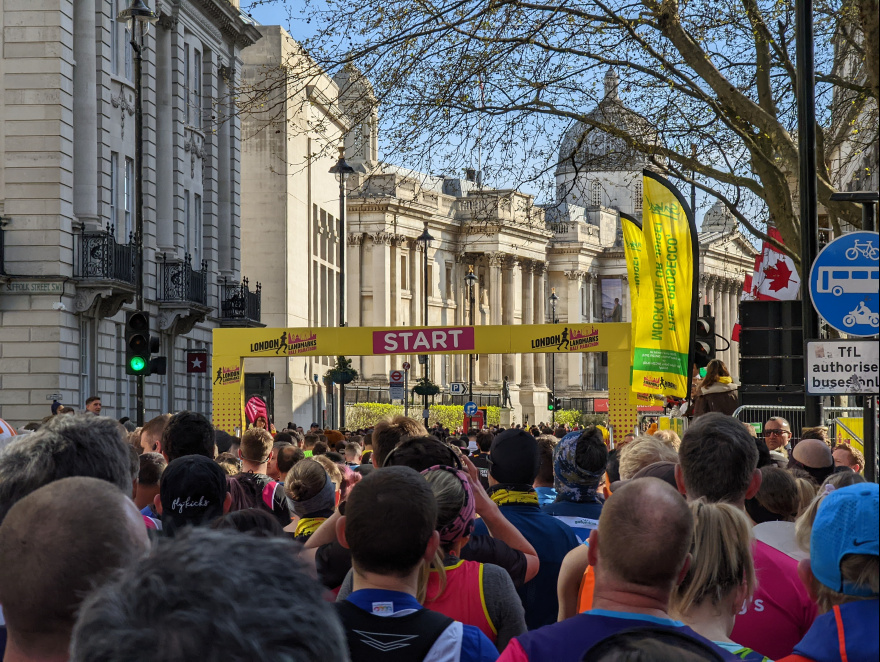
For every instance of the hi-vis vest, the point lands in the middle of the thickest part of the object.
(463, 599)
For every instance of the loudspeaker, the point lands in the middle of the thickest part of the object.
(770, 314)
(771, 396)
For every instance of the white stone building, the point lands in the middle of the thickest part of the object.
(68, 188)
(519, 251)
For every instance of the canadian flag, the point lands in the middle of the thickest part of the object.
(774, 279)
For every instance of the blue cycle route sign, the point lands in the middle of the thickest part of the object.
(470, 408)
(845, 283)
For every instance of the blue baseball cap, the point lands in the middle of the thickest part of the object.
(848, 522)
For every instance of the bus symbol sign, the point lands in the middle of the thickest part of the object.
(845, 283)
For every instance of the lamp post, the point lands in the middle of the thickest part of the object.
(553, 299)
(426, 239)
(138, 17)
(471, 280)
(342, 170)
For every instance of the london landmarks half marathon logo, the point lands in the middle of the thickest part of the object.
(656, 383)
(227, 376)
(287, 344)
(570, 340)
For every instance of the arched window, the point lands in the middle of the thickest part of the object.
(637, 196)
(595, 193)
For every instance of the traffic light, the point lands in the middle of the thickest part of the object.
(557, 404)
(140, 346)
(551, 403)
(704, 346)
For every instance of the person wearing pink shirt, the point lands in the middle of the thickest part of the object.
(717, 461)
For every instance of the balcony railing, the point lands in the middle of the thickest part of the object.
(104, 259)
(180, 282)
(237, 302)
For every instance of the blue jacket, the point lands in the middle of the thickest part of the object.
(854, 622)
(552, 540)
(581, 517)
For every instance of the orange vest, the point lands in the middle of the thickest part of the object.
(463, 598)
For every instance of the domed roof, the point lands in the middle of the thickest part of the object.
(587, 148)
(719, 219)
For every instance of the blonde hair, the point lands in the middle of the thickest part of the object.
(806, 494)
(721, 550)
(642, 451)
(669, 437)
(256, 445)
(804, 524)
(331, 468)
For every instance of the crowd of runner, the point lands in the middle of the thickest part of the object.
(177, 541)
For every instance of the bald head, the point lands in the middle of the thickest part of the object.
(813, 453)
(57, 544)
(644, 535)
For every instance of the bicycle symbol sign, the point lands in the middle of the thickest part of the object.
(844, 283)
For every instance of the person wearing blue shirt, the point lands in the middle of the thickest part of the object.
(382, 617)
(513, 465)
(579, 461)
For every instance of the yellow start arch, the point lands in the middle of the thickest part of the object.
(232, 346)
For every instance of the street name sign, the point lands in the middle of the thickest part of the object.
(843, 367)
(845, 283)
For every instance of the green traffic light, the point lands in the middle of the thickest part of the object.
(137, 363)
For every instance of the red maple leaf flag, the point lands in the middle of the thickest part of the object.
(779, 276)
(775, 278)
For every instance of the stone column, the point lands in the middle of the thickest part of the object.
(353, 280)
(381, 285)
(528, 298)
(165, 152)
(507, 313)
(224, 172)
(495, 261)
(718, 312)
(85, 114)
(733, 316)
(573, 316)
(540, 318)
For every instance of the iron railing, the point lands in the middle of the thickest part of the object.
(180, 282)
(102, 258)
(237, 302)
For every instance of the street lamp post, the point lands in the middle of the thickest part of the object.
(138, 17)
(553, 299)
(342, 170)
(471, 280)
(426, 239)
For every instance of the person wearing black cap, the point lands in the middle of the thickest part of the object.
(514, 461)
(192, 492)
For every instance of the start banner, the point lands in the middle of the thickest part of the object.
(663, 335)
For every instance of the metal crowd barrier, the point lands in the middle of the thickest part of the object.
(795, 416)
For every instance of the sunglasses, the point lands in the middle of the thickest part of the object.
(770, 433)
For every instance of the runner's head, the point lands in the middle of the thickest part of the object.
(721, 573)
(514, 458)
(76, 531)
(166, 607)
(455, 504)
(188, 433)
(387, 434)
(398, 495)
(844, 564)
(643, 539)
(579, 463)
(718, 460)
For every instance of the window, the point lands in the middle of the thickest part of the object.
(187, 86)
(197, 89)
(403, 272)
(129, 52)
(198, 248)
(128, 192)
(114, 39)
(85, 357)
(637, 197)
(187, 222)
(430, 287)
(595, 194)
(114, 192)
(448, 282)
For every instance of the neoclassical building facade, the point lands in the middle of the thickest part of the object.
(68, 188)
(520, 252)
